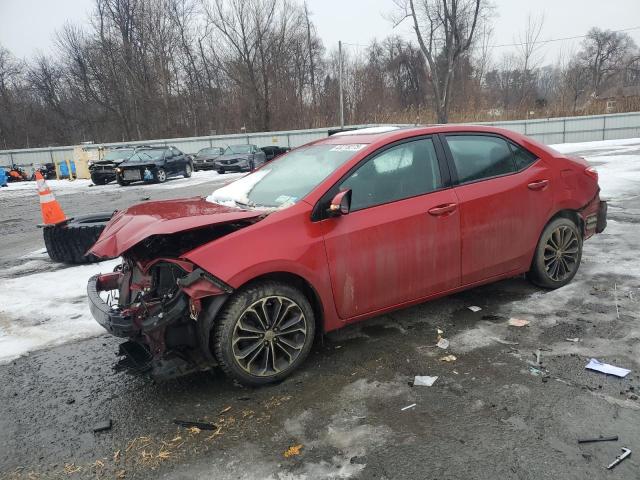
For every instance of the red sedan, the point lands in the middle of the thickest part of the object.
(335, 232)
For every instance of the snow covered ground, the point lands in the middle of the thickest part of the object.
(44, 304)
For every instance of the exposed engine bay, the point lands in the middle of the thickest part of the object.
(163, 304)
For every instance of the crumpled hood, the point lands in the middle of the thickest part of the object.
(129, 227)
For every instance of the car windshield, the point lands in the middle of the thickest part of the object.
(118, 154)
(146, 155)
(231, 149)
(209, 151)
(286, 180)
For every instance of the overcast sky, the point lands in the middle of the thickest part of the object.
(28, 26)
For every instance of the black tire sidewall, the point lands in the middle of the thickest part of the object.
(538, 273)
(230, 314)
(188, 171)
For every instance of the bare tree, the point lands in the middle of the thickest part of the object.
(445, 30)
(604, 52)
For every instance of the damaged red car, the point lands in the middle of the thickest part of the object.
(335, 232)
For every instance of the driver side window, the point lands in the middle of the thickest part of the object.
(403, 171)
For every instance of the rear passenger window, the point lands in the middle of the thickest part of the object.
(404, 171)
(522, 158)
(477, 157)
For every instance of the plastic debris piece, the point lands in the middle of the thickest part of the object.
(443, 343)
(598, 366)
(474, 308)
(407, 407)
(102, 426)
(199, 425)
(292, 451)
(424, 381)
(440, 332)
(574, 340)
(625, 453)
(518, 322)
(613, 438)
(449, 358)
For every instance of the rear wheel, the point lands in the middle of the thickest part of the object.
(558, 254)
(263, 333)
(221, 171)
(160, 175)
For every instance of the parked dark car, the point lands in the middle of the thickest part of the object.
(240, 158)
(104, 171)
(154, 164)
(274, 151)
(349, 227)
(205, 158)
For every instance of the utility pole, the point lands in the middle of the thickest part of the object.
(340, 80)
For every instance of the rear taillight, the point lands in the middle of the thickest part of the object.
(592, 172)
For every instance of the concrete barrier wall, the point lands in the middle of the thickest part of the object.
(549, 131)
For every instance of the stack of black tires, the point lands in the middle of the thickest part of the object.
(68, 242)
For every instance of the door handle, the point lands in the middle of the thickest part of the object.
(445, 209)
(538, 185)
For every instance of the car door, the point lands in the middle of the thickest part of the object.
(505, 199)
(259, 157)
(400, 241)
(178, 160)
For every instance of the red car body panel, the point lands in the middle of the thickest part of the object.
(129, 227)
(384, 257)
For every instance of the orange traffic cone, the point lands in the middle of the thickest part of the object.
(51, 210)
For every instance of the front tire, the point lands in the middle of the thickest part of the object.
(221, 171)
(264, 332)
(122, 182)
(557, 256)
(187, 171)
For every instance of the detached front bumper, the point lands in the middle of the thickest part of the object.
(113, 320)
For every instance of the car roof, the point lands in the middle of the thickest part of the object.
(393, 133)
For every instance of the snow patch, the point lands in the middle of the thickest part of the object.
(46, 308)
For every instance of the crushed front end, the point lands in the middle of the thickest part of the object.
(158, 306)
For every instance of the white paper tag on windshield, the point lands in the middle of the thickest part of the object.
(348, 148)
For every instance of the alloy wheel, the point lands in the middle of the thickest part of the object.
(561, 253)
(162, 175)
(269, 336)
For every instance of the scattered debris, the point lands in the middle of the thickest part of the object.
(538, 355)
(504, 342)
(474, 308)
(443, 343)
(615, 295)
(424, 381)
(574, 340)
(199, 425)
(518, 322)
(144, 199)
(449, 358)
(71, 468)
(598, 366)
(225, 410)
(71, 401)
(408, 407)
(102, 426)
(292, 451)
(625, 453)
(599, 439)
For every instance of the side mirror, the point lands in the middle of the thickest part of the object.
(341, 204)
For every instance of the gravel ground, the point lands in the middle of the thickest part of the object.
(492, 413)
